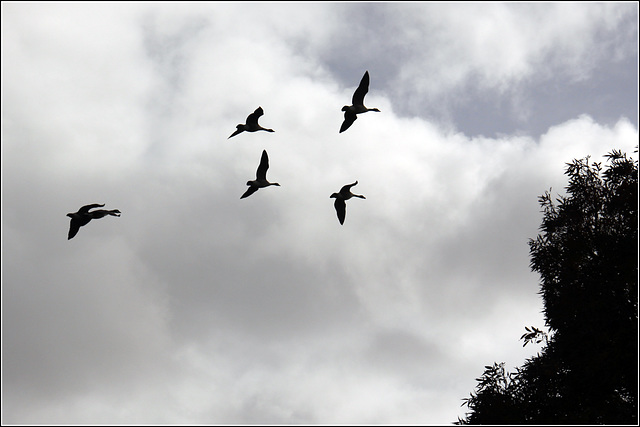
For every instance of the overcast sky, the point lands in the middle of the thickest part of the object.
(198, 307)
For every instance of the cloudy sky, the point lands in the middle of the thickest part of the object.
(197, 307)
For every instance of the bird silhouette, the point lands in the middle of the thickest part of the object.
(357, 104)
(341, 197)
(261, 177)
(83, 216)
(251, 124)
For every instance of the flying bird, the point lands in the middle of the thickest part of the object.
(83, 216)
(357, 107)
(261, 177)
(251, 123)
(341, 198)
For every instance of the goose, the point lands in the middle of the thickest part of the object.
(261, 177)
(357, 107)
(341, 198)
(83, 216)
(251, 123)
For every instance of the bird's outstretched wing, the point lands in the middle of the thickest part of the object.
(236, 132)
(346, 189)
(341, 209)
(349, 118)
(74, 226)
(261, 173)
(249, 191)
(85, 209)
(252, 119)
(361, 91)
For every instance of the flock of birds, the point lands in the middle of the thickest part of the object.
(85, 214)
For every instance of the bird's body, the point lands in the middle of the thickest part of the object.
(261, 177)
(341, 197)
(251, 124)
(357, 104)
(83, 216)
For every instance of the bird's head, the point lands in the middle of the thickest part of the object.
(333, 196)
(345, 108)
(70, 215)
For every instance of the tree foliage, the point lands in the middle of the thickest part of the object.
(587, 258)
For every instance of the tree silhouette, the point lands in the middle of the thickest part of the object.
(587, 258)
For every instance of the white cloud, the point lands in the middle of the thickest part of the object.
(506, 44)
